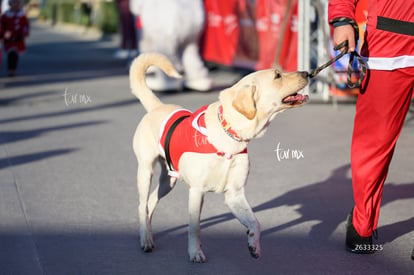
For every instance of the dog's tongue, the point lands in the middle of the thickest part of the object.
(294, 98)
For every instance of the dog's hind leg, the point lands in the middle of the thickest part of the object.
(144, 177)
(236, 201)
(166, 184)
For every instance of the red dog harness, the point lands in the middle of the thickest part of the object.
(184, 131)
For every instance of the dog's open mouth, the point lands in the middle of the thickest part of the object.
(295, 99)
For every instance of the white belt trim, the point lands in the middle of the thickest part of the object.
(389, 63)
(198, 127)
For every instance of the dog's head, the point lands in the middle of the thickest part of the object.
(258, 97)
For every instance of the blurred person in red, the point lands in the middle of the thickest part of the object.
(14, 30)
(385, 96)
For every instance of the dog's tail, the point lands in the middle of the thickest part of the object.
(137, 77)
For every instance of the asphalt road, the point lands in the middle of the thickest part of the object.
(68, 197)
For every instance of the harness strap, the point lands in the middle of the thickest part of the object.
(168, 139)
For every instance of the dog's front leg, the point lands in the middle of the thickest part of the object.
(195, 204)
(241, 209)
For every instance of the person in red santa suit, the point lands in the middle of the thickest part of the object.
(385, 96)
(14, 30)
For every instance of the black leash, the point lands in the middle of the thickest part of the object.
(353, 55)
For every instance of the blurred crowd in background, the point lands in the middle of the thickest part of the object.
(248, 34)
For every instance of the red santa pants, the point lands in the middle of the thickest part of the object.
(380, 113)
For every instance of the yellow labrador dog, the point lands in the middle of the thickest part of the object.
(222, 130)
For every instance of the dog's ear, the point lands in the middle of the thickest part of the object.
(244, 101)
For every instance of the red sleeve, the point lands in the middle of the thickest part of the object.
(341, 8)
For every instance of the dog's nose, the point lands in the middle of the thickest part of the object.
(304, 74)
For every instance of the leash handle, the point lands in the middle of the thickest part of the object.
(345, 46)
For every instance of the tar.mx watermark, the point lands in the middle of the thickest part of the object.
(288, 153)
(76, 98)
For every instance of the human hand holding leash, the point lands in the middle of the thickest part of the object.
(343, 45)
(343, 33)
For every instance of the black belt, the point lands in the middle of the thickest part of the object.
(395, 26)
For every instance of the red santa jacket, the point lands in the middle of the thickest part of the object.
(17, 24)
(190, 135)
(389, 35)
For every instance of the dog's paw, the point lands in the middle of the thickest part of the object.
(147, 248)
(254, 251)
(197, 257)
(147, 244)
(254, 244)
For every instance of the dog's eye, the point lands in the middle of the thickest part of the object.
(277, 74)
